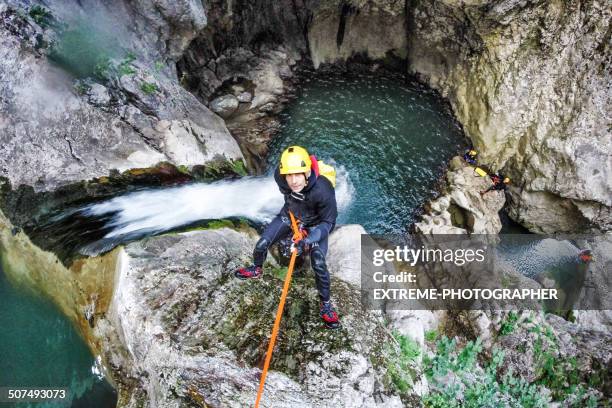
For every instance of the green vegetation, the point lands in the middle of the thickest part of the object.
(403, 359)
(183, 169)
(238, 167)
(558, 373)
(102, 69)
(431, 335)
(125, 66)
(159, 66)
(279, 272)
(81, 87)
(471, 385)
(216, 224)
(509, 324)
(41, 16)
(457, 380)
(148, 88)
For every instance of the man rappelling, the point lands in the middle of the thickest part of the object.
(309, 194)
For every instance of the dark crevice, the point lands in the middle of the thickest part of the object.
(346, 10)
(72, 153)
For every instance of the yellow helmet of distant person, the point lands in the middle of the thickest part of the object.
(506, 180)
(472, 153)
(295, 159)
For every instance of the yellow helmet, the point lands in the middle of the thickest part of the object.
(473, 153)
(506, 180)
(295, 159)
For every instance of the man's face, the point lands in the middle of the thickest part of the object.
(296, 181)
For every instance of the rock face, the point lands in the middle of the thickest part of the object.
(195, 334)
(55, 131)
(461, 209)
(344, 244)
(224, 105)
(529, 83)
(255, 85)
(342, 29)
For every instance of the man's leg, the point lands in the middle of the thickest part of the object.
(277, 229)
(318, 251)
(482, 193)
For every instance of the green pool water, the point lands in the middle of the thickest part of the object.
(39, 347)
(392, 137)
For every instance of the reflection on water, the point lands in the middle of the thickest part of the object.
(552, 262)
(39, 347)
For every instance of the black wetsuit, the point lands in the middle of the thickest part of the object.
(315, 207)
(498, 184)
(469, 159)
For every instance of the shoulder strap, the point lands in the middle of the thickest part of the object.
(315, 165)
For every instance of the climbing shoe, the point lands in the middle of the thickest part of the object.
(329, 315)
(252, 272)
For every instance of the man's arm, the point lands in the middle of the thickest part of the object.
(327, 211)
(318, 232)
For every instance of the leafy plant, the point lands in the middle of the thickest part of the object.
(473, 386)
(404, 357)
(102, 69)
(125, 66)
(431, 335)
(81, 87)
(41, 16)
(148, 88)
(239, 168)
(509, 324)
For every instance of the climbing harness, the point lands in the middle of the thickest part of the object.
(297, 236)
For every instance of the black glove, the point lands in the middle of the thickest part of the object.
(301, 246)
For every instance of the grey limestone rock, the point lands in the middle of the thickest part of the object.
(224, 105)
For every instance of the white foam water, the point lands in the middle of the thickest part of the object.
(151, 212)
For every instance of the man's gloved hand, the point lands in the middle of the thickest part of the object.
(301, 246)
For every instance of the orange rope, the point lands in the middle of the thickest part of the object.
(297, 235)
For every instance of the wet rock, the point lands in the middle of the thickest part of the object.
(190, 144)
(169, 25)
(224, 105)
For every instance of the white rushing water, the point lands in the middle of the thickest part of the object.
(153, 211)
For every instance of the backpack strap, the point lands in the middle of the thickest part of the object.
(315, 164)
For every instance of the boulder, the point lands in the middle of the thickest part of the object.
(224, 105)
(244, 97)
(461, 209)
(195, 333)
(343, 260)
